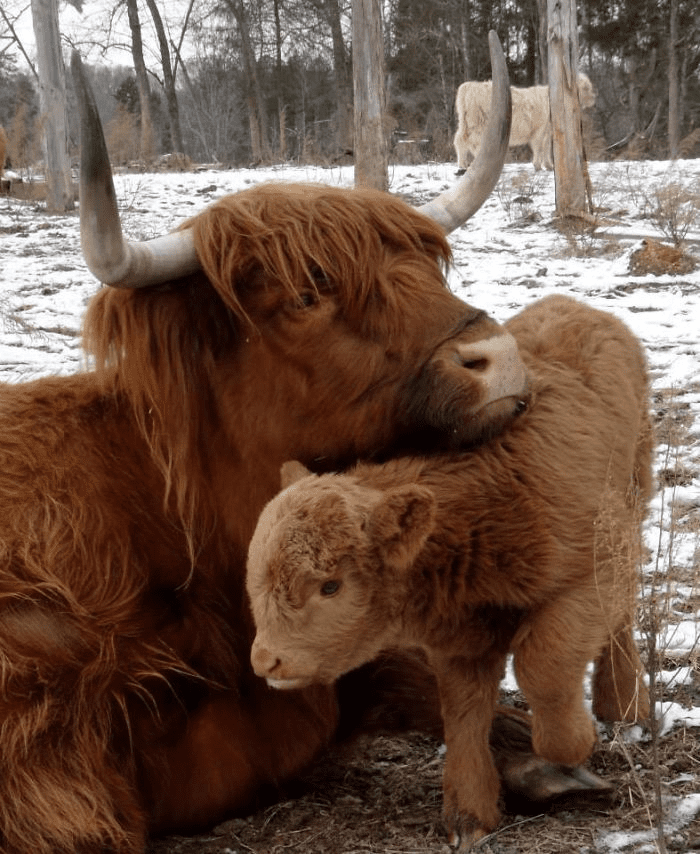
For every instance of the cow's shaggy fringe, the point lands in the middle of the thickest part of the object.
(143, 350)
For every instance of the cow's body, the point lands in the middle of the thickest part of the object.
(323, 330)
(531, 124)
(528, 544)
(285, 321)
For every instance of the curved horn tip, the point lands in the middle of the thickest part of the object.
(110, 258)
(456, 205)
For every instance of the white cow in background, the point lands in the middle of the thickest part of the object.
(531, 124)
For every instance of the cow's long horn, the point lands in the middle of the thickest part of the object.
(454, 207)
(110, 258)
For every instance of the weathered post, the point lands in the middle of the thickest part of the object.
(570, 170)
(52, 98)
(370, 146)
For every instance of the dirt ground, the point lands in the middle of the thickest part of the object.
(383, 796)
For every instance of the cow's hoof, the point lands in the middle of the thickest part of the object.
(465, 834)
(466, 841)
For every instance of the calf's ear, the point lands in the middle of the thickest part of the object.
(401, 523)
(291, 472)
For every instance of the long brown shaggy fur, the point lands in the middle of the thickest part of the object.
(531, 124)
(528, 544)
(128, 495)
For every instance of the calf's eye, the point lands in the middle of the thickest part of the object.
(328, 588)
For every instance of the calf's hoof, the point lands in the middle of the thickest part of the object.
(532, 783)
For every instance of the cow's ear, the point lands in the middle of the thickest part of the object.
(401, 522)
(291, 472)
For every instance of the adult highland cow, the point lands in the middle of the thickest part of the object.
(529, 544)
(531, 123)
(285, 321)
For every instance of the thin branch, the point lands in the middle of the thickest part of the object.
(17, 40)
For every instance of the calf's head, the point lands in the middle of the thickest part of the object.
(324, 574)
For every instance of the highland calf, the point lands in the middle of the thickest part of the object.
(528, 544)
(531, 124)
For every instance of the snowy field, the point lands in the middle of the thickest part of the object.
(507, 256)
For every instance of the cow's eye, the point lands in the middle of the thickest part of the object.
(320, 277)
(329, 588)
(307, 299)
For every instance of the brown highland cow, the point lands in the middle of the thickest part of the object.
(529, 544)
(286, 321)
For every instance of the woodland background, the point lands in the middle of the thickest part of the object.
(241, 82)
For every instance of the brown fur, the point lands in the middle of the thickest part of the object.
(3, 150)
(528, 544)
(322, 329)
(531, 124)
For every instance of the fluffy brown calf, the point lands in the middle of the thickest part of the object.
(531, 124)
(528, 545)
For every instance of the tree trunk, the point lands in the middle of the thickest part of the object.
(52, 95)
(256, 104)
(343, 79)
(570, 172)
(674, 122)
(279, 72)
(330, 12)
(542, 40)
(466, 40)
(147, 145)
(371, 149)
(168, 80)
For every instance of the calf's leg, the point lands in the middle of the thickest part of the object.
(397, 692)
(468, 695)
(551, 654)
(619, 690)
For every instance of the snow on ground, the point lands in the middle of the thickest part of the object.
(507, 256)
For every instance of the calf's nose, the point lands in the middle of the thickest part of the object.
(264, 662)
(496, 364)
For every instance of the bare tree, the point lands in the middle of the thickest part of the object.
(256, 105)
(147, 145)
(674, 119)
(371, 150)
(168, 78)
(330, 11)
(571, 183)
(52, 96)
(542, 40)
(279, 74)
